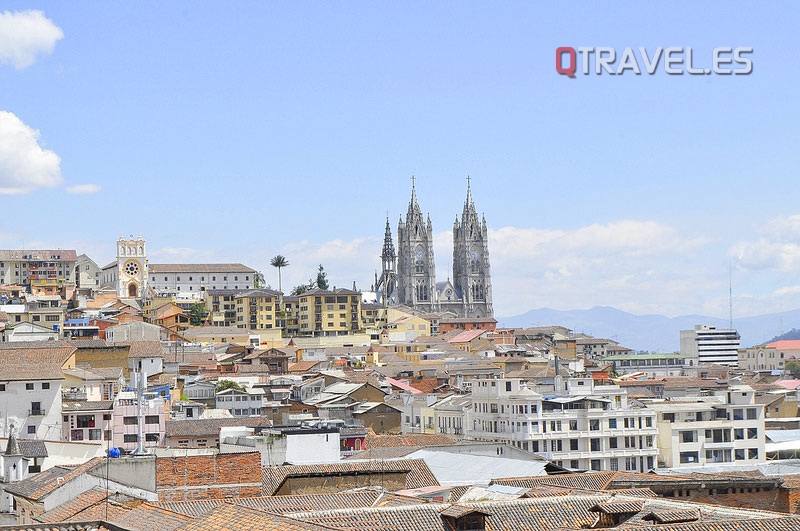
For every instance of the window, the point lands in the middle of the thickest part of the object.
(45, 385)
(508, 386)
(595, 445)
(84, 421)
(573, 445)
(2, 387)
(129, 421)
(573, 425)
(738, 434)
(31, 430)
(151, 437)
(752, 453)
(752, 413)
(595, 464)
(689, 457)
(752, 433)
(151, 419)
(688, 436)
(130, 438)
(612, 442)
(668, 417)
(29, 386)
(614, 464)
(738, 414)
(612, 423)
(594, 424)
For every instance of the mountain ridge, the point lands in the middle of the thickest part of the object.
(652, 332)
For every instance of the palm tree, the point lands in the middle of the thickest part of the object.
(279, 261)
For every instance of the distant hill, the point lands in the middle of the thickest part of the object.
(794, 333)
(655, 333)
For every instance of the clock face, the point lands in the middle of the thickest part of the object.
(418, 254)
(474, 255)
(131, 268)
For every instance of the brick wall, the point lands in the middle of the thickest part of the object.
(197, 477)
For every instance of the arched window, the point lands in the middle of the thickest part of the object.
(133, 290)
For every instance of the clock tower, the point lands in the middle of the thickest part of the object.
(131, 267)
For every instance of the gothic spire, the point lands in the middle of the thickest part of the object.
(388, 243)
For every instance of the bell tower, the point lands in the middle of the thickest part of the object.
(131, 267)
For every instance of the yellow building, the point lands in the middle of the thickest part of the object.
(330, 313)
(256, 309)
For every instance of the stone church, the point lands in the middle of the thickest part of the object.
(408, 277)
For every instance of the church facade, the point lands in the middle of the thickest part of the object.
(408, 277)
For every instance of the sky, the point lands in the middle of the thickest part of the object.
(236, 131)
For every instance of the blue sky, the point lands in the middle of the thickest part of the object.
(231, 132)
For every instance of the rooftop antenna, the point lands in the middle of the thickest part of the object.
(730, 296)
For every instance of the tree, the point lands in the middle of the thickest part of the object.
(258, 280)
(228, 384)
(279, 261)
(302, 288)
(322, 278)
(197, 314)
(793, 368)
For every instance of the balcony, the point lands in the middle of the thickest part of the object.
(36, 412)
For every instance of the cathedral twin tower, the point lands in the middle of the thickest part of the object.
(413, 282)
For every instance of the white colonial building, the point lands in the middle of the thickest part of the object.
(582, 426)
(727, 427)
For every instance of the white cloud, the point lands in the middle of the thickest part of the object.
(84, 189)
(778, 248)
(637, 266)
(24, 35)
(24, 164)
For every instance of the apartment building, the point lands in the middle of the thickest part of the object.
(325, 313)
(221, 306)
(711, 345)
(44, 272)
(258, 309)
(583, 426)
(727, 427)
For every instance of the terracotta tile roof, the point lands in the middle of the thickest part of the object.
(426, 385)
(33, 363)
(82, 526)
(618, 507)
(409, 439)
(199, 268)
(43, 483)
(303, 366)
(418, 473)
(586, 480)
(229, 516)
(199, 427)
(148, 517)
(142, 349)
(562, 512)
(294, 503)
(673, 517)
(106, 511)
(67, 510)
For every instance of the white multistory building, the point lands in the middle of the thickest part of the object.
(727, 427)
(711, 345)
(582, 425)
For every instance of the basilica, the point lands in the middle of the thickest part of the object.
(408, 277)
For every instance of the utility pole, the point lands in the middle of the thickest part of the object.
(140, 379)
